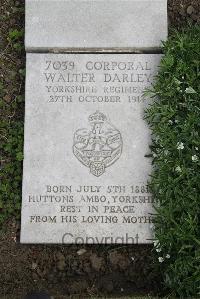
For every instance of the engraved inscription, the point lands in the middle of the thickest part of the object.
(86, 169)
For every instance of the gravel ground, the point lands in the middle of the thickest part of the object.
(78, 271)
(182, 12)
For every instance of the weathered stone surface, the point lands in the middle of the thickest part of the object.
(101, 24)
(85, 170)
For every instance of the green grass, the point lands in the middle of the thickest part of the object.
(174, 118)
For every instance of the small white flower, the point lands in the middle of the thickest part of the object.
(176, 121)
(195, 158)
(170, 122)
(155, 243)
(180, 145)
(161, 259)
(132, 258)
(178, 169)
(158, 249)
(167, 256)
(196, 148)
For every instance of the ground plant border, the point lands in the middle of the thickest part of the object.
(174, 119)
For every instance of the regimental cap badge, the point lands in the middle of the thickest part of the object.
(99, 146)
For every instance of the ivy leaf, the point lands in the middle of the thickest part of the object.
(190, 90)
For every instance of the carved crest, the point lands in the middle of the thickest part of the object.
(98, 146)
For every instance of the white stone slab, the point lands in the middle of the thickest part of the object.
(95, 24)
(85, 170)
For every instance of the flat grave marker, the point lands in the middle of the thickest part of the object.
(85, 170)
(95, 25)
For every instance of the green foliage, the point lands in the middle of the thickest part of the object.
(11, 124)
(174, 119)
(11, 173)
(14, 38)
(11, 156)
